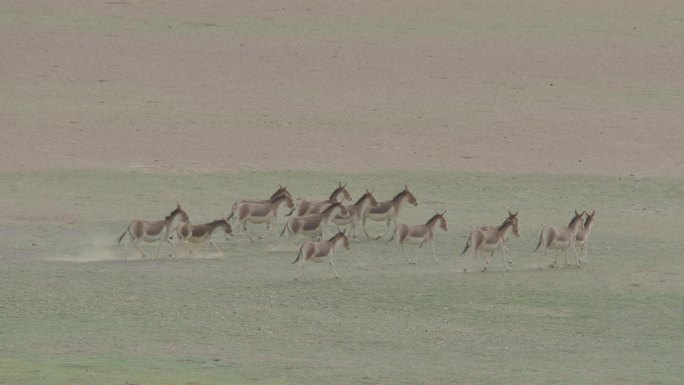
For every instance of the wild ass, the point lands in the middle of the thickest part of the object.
(305, 207)
(313, 224)
(419, 234)
(388, 211)
(153, 231)
(561, 238)
(200, 234)
(582, 236)
(259, 213)
(356, 212)
(320, 251)
(281, 191)
(484, 239)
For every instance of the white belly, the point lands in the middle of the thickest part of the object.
(414, 240)
(378, 217)
(259, 220)
(558, 245)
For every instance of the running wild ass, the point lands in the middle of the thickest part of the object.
(488, 240)
(356, 212)
(305, 207)
(260, 213)
(582, 237)
(197, 234)
(153, 231)
(320, 251)
(419, 234)
(561, 239)
(388, 211)
(313, 224)
(280, 191)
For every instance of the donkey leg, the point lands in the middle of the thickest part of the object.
(128, 245)
(555, 260)
(577, 258)
(334, 269)
(434, 253)
(584, 250)
(406, 255)
(483, 267)
(136, 245)
(504, 253)
(159, 242)
(217, 248)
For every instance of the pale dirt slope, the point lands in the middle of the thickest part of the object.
(589, 87)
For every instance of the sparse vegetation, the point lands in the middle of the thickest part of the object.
(74, 312)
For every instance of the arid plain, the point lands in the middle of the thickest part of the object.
(120, 109)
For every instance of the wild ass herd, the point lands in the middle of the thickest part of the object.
(313, 219)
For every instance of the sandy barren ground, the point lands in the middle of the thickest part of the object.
(586, 87)
(519, 86)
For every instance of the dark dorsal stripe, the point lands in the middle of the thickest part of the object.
(381, 208)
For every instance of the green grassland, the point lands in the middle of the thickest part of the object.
(73, 311)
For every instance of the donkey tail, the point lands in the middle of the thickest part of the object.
(538, 244)
(393, 234)
(121, 237)
(299, 253)
(541, 239)
(284, 230)
(232, 212)
(467, 246)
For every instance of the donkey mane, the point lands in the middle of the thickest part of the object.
(331, 207)
(279, 192)
(364, 196)
(279, 198)
(337, 191)
(336, 237)
(503, 226)
(575, 219)
(402, 193)
(217, 222)
(175, 212)
(433, 219)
